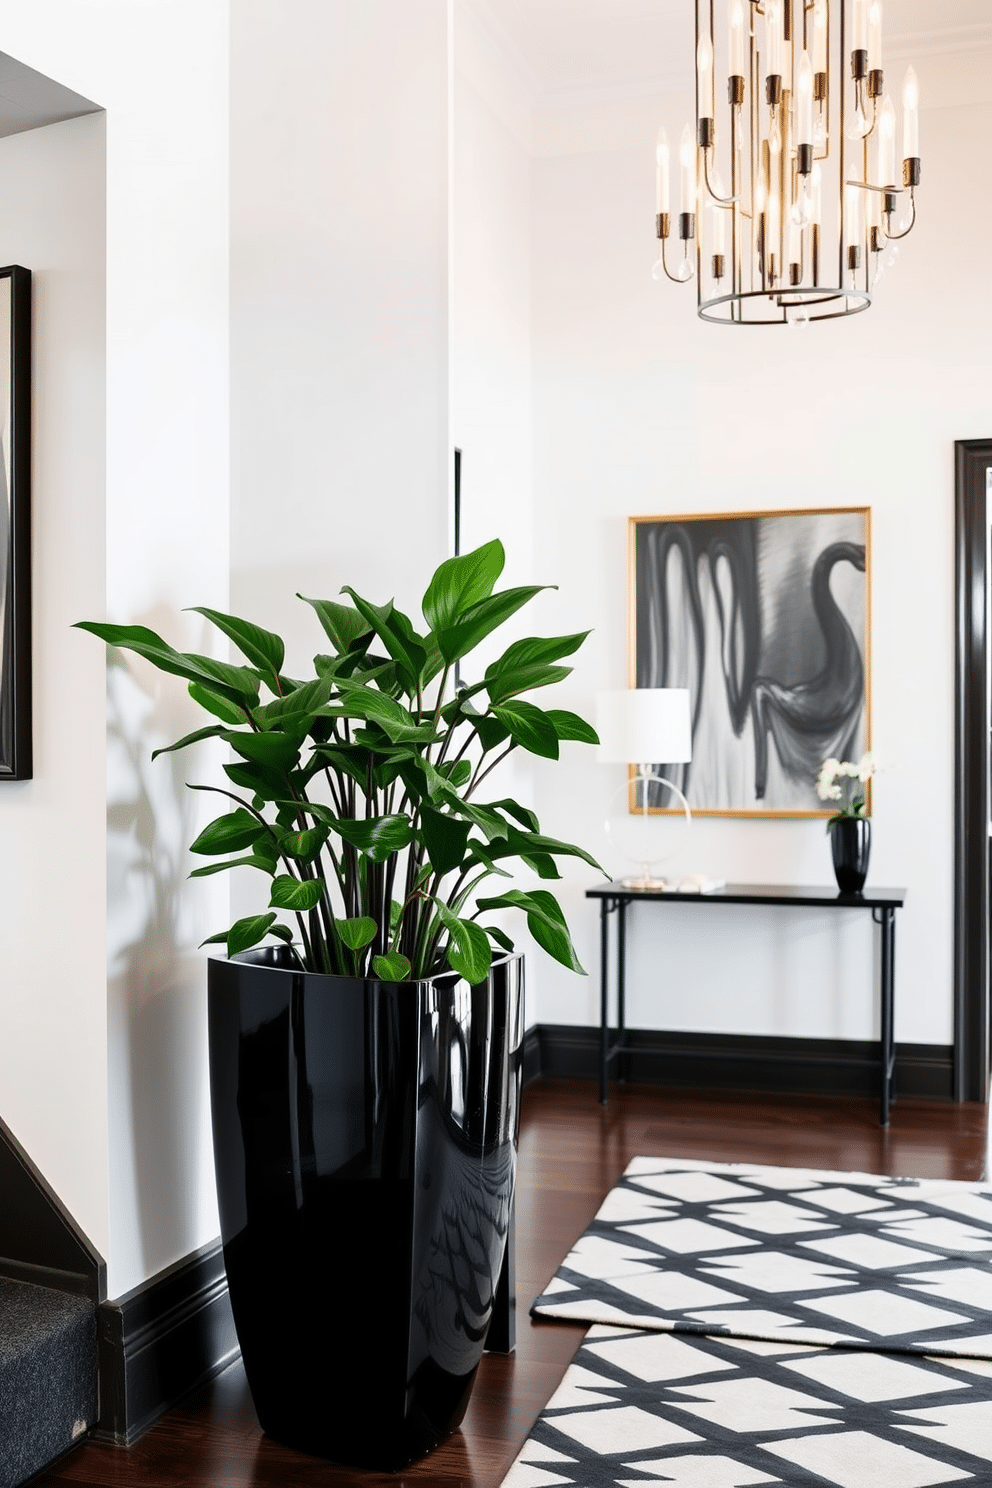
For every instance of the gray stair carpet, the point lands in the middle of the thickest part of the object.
(47, 1376)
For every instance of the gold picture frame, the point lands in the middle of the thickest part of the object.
(766, 617)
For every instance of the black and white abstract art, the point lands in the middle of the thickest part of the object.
(765, 619)
(15, 515)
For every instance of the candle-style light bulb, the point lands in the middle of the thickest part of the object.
(910, 116)
(804, 101)
(704, 75)
(820, 36)
(662, 172)
(859, 31)
(774, 37)
(875, 35)
(886, 170)
(687, 160)
(736, 48)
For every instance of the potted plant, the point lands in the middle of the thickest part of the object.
(365, 1062)
(849, 828)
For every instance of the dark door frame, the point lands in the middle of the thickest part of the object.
(973, 457)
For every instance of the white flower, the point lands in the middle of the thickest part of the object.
(867, 766)
(826, 788)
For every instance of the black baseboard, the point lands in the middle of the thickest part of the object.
(40, 1241)
(743, 1062)
(161, 1340)
(532, 1056)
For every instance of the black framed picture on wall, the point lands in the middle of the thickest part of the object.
(765, 617)
(15, 523)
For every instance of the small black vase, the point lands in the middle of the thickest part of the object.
(850, 841)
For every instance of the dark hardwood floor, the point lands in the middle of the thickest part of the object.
(571, 1152)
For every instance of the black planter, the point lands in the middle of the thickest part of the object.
(850, 842)
(365, 1145)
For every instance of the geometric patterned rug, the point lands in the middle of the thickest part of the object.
(788, 1255)
(835, 1328)
(646, 1407)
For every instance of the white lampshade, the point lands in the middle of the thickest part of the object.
(644, 725)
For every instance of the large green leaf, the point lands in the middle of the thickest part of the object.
(275, 751)
(243, 934)
(296, 894)
(465, 633)
(230, 833)
(303, 846)
(445, 838)
(540, 863)
(262, 648)
(469, 951)
(545, 922)
(479, 855)
(490, 731)
(397, 635)
(378, 837)
(530, 728)
(213, 702)
(342, 624)
(571, 726)
(303, 702)
(522, 844)
(391, 968)
(214, 731)
(462, 582)
(537, 651)
(236, 684)
(500, 937)
(522, 814)
(396, 722)
(490, 821)
(263, 783)
(513, 681)
(357, 933)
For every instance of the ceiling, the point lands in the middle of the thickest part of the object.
(561, 47)
(29, 99)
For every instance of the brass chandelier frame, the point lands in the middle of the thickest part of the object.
(764, 283)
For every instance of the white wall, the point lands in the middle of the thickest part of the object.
(127, 1143)
(639, 408)
(339, 305)
(53, 991)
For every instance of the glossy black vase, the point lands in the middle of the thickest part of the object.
(365, 1146)
(850, 842)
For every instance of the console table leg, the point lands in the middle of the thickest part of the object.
(604, 1026)
(887, 926)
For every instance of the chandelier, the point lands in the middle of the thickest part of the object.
(789, 195)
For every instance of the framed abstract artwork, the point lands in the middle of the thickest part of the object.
(765, 617)
(15, 523)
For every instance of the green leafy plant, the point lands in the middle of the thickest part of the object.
(356, 791)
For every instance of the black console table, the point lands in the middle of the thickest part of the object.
(614, 898)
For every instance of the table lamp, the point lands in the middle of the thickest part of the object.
(638, 725)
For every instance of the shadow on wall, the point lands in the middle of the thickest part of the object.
(158, 1089)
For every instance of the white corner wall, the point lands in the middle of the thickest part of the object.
(639, 408)
(53, 991)
(126, 1140)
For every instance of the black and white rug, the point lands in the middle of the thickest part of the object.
(788, 1255)
(642, 1407)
